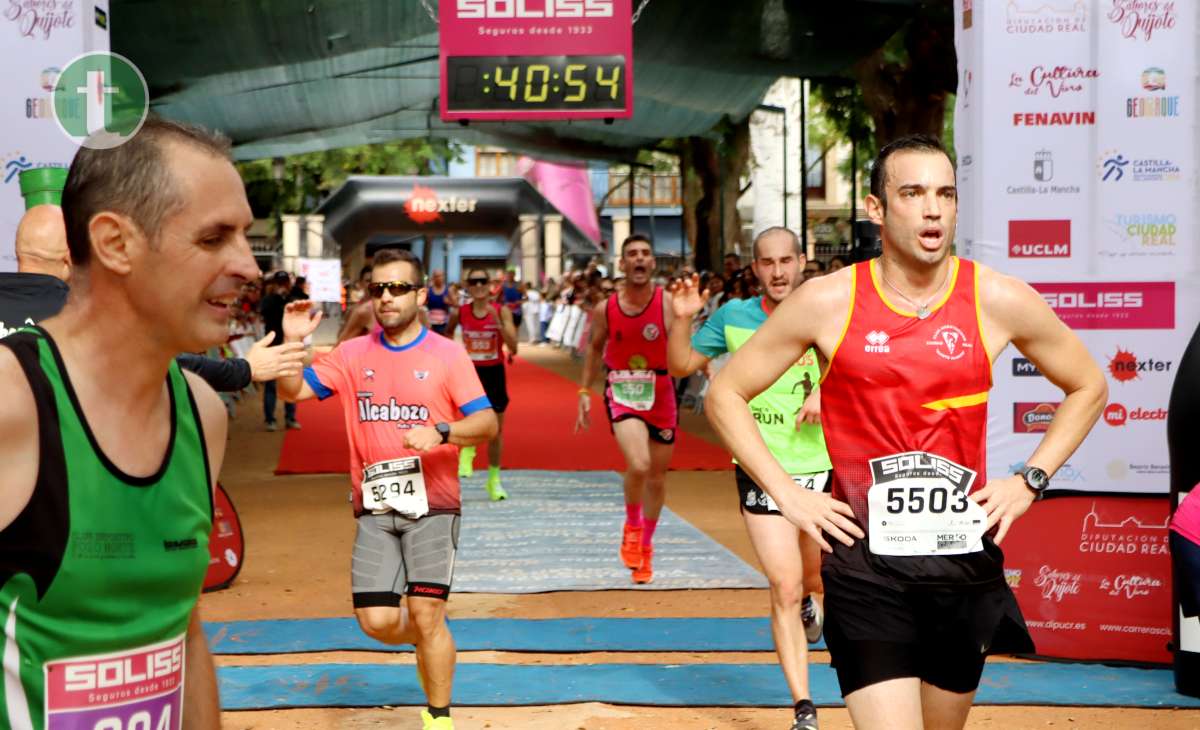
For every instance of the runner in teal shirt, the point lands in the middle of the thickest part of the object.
(788, 416)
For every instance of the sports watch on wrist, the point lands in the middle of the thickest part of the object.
(1036, 479)
(444, 429)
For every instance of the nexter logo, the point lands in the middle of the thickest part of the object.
(506, 9)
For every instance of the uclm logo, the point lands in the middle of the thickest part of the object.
(1039, 239)
(1134, 305)
(513, 9)
(1033, 417)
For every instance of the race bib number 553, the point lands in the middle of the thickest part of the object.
(918, 505)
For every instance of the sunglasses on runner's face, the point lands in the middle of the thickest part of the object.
(395, 288)
(477, 281)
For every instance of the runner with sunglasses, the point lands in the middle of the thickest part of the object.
(485, 324)
(402, 390)
(629, 335)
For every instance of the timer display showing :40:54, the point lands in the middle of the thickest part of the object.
(536, 82)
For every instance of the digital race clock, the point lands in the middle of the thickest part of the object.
(485, 83)
(512, 60)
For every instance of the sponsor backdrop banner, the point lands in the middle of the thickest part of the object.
(37, 40)
(1076, 134)
(1093, 577)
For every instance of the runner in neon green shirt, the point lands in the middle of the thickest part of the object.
(788, 416)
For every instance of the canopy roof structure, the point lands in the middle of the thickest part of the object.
(287, 77)
(367, 206)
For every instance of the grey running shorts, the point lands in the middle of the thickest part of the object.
(395, 555)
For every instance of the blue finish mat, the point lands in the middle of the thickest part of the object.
(692, 685)
(290, 636)
(559, 531)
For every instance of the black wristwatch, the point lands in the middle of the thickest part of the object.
(444, 429)
(1036, 479)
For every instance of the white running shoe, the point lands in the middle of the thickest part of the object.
(813, 618)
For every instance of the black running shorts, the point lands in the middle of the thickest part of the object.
(756, 501)
(879, 628)
(495, 385)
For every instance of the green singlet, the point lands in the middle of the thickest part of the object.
(100, 572)
(798, 450)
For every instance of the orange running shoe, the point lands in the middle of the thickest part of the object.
(644, 573)
(631, 546)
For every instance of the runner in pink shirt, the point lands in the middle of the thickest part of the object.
(409, 398)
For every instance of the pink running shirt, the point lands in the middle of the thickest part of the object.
(1187, 516)
(386, 390)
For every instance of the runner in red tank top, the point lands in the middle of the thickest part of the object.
(629, 335)
(915, 594)
(486, 326)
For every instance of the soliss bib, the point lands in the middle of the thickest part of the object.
(918, 505)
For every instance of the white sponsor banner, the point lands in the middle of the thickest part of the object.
(37, 40)
(1076, 136)
(324, 278)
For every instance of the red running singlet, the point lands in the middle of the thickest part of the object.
(897, 383)
(637, 342)
(481, 335)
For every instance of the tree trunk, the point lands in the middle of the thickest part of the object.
(718, 166)
(910, 97)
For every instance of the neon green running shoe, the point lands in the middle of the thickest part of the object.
(466, 461)
(494, 490)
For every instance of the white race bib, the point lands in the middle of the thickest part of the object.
(633, 389)
(812, 482)
(918, 505)
(396, 484)
(482, 345)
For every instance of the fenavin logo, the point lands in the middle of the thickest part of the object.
(503, 9)
(114, 96)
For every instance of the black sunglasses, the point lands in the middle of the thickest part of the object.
(477, 281)
(395, 288)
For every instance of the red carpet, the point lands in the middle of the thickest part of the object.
(537, 433)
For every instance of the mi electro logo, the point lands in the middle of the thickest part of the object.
(1039, 239)
(507, 9)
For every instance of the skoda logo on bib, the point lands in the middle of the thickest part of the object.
(918, 505)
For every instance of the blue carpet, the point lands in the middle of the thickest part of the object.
(290, 636)
(693, 685)
(559, 531)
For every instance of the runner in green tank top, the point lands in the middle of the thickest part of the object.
(788, 417)
(111, 451)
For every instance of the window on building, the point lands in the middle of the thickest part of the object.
(495, 163)
(814, 180)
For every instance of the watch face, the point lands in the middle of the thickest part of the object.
(1036, 478)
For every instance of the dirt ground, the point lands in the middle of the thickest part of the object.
(299, 532)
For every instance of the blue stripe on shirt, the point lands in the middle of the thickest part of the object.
(479, 404)
(314, 382)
